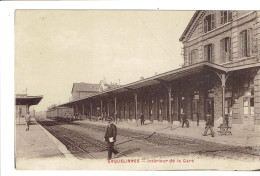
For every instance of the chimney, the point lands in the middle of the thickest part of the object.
(141, 78)
(156, 73)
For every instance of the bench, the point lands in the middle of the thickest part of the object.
(224, 130)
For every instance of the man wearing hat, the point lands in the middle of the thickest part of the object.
(110, 137)
(27, 120)
(209, 125)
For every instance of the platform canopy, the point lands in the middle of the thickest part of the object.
(164, 77)
(167, 77)
(28, 100)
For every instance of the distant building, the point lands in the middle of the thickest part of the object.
(103, 86)
(23, 103)
(82, 90)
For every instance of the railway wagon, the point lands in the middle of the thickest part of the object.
(61, 114)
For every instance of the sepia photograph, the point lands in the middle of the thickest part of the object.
(137, 90)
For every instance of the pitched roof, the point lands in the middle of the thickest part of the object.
(169, 76)
(84, 87)
(190, 24)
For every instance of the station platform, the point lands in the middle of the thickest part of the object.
(36, 145)
(238, 138)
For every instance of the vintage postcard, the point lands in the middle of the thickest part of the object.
(137, 90)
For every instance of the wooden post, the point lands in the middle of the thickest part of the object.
(91, 109)
(135, 95)
(148, 107)
(170, 103)
(115, 111)
(83, 109)
(108, 108)
(124, 110)
(101, 109)
(177, 104)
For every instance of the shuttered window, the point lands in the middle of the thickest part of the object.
(245, 43)
(225, 49)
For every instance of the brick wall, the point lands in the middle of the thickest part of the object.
(257, 97)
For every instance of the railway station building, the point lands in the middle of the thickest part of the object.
(82, 90)
(220, 78)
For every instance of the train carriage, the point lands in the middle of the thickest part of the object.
(61, 114)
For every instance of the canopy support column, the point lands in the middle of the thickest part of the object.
(135, 95)
(223, 78)
(115, 110)
(101, 109)
(170, 102)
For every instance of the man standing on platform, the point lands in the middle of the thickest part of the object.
(142, 119)
(110, 138)
(209, 125)
(27, 120)
(184, 120)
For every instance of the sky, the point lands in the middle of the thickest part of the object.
(56, 48)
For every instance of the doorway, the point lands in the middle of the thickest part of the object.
(248, 113)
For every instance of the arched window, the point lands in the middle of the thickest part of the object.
(209, 22)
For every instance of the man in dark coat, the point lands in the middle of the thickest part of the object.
(142, 119)
(110, 138)
(209, 125)
(185, 120)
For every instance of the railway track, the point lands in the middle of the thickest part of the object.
(154, 138)
(80, 145)
(216, 150)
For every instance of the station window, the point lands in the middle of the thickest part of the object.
(245, 43)
(209, 22)
(226, 16)
(248, 106)
(225, 46)
(228, 105)
(209, 52)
